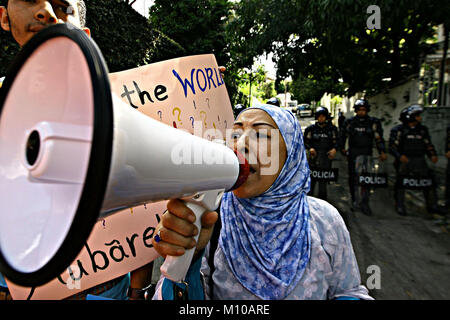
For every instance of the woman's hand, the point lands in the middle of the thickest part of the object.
(177, 230)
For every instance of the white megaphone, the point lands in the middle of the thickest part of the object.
(72, 152)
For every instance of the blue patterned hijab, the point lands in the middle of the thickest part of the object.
(266, 239)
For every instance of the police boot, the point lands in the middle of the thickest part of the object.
(323, 191)
(400, 202)
(355, 205)
(400, 208)
(365, 208)
(437, 209)
(431, 202)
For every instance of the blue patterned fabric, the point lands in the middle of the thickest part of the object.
(266, 239)
(3, 282)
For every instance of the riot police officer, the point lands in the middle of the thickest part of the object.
(362, 130)
(237, 109)
(321, 142)
(447, 182)
(274, 101)
(409, 142)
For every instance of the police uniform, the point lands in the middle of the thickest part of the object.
(341, 120)
(414, 143)
(361, 132)
(447, 183)
(322, 139)
(237, 109)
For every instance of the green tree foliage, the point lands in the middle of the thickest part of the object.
(268, 89)
(323, 41)
(254, 83)
(125, 38)
(200, 27)
(197, 25)
(8, 49)
(307, 90)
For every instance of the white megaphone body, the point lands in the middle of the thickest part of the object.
(71, 152)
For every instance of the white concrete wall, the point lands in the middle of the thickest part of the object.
(385, 106)
(388, 105)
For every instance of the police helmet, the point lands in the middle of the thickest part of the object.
(273, 101)
(402, 117)
(361, 103)
(321, 110)
(237, 109)
(409, 114)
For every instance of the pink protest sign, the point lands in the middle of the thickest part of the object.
(187, 93)
(184, 93)
(118, 244)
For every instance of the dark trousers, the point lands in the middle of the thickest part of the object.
(352, 175)
(414, 166)
(363, 192)
(320, 162)
(447, 185)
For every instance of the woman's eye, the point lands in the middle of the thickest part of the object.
(261, 135)
(235, 135)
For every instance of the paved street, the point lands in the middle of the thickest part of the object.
(412, 252)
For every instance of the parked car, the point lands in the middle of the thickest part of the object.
(292, 106)
(292, 109)
(304, 110)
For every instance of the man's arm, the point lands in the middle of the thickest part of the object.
(335, 138)
(431, 151)
(343, 136)
(379, 140)
(307, 138)
(447, 145)
(394, 141)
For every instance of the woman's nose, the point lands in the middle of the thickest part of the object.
(244, 146)
(241, 144)
(46, 14)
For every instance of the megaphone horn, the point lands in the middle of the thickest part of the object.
(71, 152)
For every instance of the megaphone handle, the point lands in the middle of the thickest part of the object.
(175, 268)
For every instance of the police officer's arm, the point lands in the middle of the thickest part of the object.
(431, 151)
(307, 138)
(379, 140)
(335, 138)
(308, 141)
(447, 146)
(394, 142)
(343, 136)
(334, 143)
